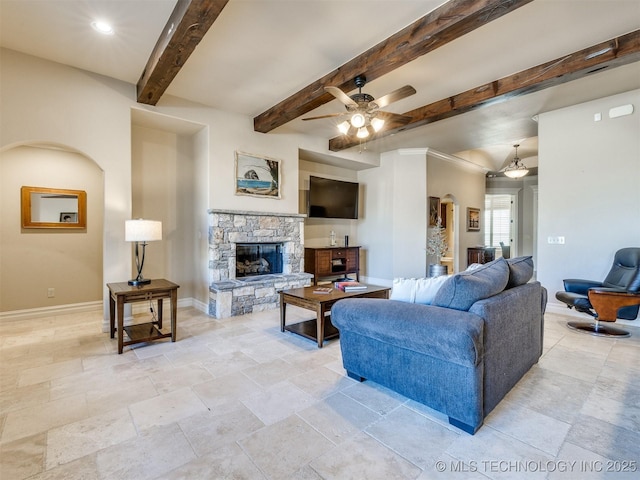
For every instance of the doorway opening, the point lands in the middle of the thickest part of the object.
(500, 219)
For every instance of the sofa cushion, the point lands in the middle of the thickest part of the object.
(520, 271)
(416, 290)
(462, 290)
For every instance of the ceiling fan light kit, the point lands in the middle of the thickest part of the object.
(363, 109)
(516, 169)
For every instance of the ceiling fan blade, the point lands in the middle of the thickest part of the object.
(330, 115)
(340, 95)
(393, 117)
(394, 96)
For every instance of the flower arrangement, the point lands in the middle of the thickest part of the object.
(436, 241)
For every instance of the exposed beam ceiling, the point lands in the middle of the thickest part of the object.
(446, 23)
(612, 53)
(187, 25)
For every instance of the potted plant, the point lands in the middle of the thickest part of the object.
(437, 247)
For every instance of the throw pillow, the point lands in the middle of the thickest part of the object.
(403, 289)
(462, 290)
(416, 290)
(426, 288)
(520, 271)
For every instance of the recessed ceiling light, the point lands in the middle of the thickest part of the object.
(102, 27)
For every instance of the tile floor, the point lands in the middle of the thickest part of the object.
(238, 399)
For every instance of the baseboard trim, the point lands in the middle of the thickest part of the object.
(50, 311)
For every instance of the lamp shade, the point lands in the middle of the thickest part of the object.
(142, 230)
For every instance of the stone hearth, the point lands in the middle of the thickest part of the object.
(230, 296)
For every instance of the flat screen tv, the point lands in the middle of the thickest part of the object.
(332, 198)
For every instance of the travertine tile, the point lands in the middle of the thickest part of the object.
(574, 363)
(17, 398)
(167, 408)
(172, 379)
(610, 441)
(339, 417)
(22, 458)
(272, 372)
(228, 363)
(154, 452)
(75, 440)
(281, 449)
(223, 394)
(277, 402)
(499, 456)
(48, 372)
(377, 398)
(227, 462)
(529, 426)
(413, 436)
(321, 382)
(31, 420)
(363, 457)
(208, 432)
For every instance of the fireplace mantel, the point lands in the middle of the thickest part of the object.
(257, 214)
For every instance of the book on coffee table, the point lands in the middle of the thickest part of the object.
(322, 290)
(350, 286)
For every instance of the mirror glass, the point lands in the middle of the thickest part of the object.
(53, 208)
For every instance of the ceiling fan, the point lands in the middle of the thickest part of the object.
(366, 118)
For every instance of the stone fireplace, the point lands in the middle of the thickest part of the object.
(252, 257)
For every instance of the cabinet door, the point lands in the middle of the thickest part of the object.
(323, 262)
(352, 259)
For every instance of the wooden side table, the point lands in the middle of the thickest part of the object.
(121, 293)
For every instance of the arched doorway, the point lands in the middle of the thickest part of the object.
(47, 268)
(449, 217)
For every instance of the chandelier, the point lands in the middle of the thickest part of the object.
(516, 169)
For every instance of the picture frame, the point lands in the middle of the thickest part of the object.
(257, 175)
(68, 217)
(434, 211)
(473, 219)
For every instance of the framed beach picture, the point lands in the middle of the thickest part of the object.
(257, 175)
(473, 219)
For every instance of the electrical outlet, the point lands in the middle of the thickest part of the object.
(51, 292)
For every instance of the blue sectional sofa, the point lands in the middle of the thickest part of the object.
(460, 355)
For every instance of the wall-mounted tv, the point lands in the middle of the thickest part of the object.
(332, 198)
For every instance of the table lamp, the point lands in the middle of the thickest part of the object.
(141, 231)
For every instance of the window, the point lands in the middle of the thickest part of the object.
(498, 219)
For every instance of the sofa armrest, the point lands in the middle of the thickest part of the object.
(578, 285)
(443, 333)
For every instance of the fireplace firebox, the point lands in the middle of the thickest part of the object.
(254, 259)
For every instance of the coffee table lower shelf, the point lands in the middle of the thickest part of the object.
(308, 329)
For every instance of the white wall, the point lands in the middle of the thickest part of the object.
(393, 224)
(589, 189)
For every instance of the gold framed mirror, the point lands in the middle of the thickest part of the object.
(53, 208)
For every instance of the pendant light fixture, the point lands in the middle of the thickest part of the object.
(516, 169)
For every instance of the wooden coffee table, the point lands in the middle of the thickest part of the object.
(320, 328)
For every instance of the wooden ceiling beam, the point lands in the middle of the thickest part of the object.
(187, 25)
(609, 54)
(451, 20)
